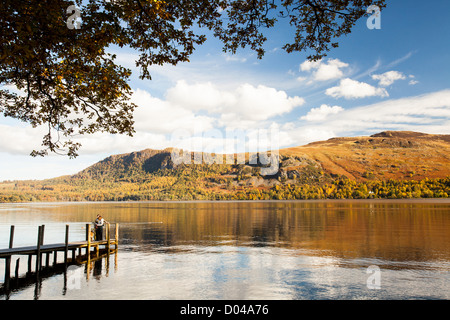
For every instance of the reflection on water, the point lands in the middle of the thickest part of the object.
(72, 276)
(253, 250)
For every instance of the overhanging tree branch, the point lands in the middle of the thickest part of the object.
(66, 72)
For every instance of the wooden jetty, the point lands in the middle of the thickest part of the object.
(93, 250)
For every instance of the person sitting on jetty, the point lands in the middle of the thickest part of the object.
(99, 223)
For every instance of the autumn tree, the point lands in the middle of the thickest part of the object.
(55, 52)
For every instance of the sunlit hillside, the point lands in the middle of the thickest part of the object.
(385, 165)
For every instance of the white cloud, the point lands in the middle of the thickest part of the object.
(198, 96)
(158, 116)
(429, 113)
(400, 60)
(324, 71)
(261, 102)
(318, 114)
(308, 65)
(352, 89)
(113, 144)
(239, 107)
(13, 89)
(199, 107)
(388, 78)
(413, 81)
(234, 58)
(17, 139)
(126, 59)
(25, 167)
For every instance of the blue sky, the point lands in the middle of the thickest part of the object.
(394, 78)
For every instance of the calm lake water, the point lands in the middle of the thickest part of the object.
(280, 250)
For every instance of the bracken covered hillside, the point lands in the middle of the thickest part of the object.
(386, 155)
(385, 165)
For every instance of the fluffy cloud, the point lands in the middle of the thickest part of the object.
(388, 78)
(158, 116)
(318, 114)
(200, 107)
(18, 139)
(323, 71)
(352, 89)
(240, 107)
(199, 96)
(261, 102)
(428, 113)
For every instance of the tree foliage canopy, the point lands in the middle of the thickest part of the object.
(72, 85)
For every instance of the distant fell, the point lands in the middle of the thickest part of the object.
(385, 155)
(389, 164)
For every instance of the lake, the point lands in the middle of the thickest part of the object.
(279, 250)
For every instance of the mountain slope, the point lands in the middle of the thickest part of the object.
(386, 155)
(385, 165)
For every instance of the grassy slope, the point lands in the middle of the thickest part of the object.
(388, 155)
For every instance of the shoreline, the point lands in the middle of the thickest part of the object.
(415, 200)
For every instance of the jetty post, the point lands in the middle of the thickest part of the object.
(116, 239)
(16, 273)
(88, 240)
(8, 259)
(11, 237)
(40, 242)
(66, 245)
(108, 240)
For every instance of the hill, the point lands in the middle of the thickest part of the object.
(390, 164)
(386, 155)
